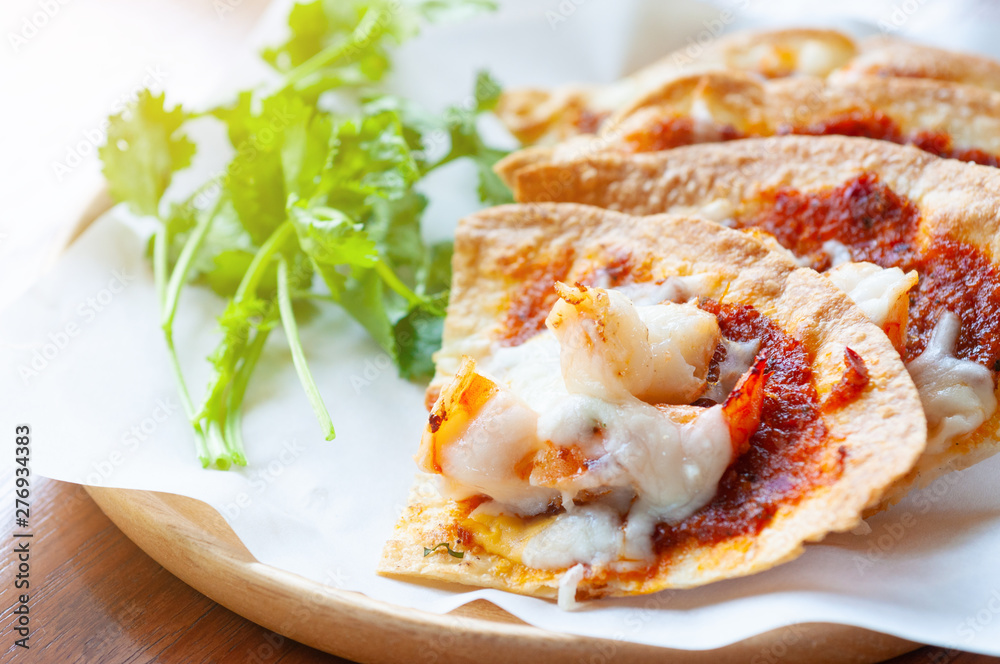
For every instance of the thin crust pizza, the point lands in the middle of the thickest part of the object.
(539, 116)
(545, 117)
(889, 56)
(627, 404)
(833, 200)
(945, 119)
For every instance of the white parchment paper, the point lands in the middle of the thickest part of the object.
(83, 362)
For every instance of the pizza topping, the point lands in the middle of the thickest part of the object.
(882, 293)
(878, 125)
(788, 454)
(611, 351)
(878, 291)
(568, 584)
(957, 394)
(720, 211)
(955, 279)
(671, 289)
(732, 360)
(962, 279)
(851, 384)
(866, 124)
(863, 214)
(672, 132)
(590, 534)
(477, 436)
(650, 131)
(838, 252)
(451, 552)
(581, 416)
(530, 303)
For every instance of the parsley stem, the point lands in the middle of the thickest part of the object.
(160, 250)
(183, 267)
(298, 356)
(217, 448)
(393, 282)
(254, 273)
(220, 388)
(370, 29)
(175, 363)
(234, 402)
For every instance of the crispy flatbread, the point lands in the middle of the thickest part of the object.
(505, 252)
(951, 204)
(539, 116)
(544, 117)
(946, 119)
(889, 56)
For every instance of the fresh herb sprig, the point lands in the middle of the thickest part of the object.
(451, 552)
(315, 207)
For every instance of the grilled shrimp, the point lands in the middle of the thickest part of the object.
(743, 406)
(481, 437)
(613, 350)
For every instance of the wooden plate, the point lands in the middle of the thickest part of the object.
(193, 541)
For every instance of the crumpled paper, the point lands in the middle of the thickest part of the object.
(84, 364)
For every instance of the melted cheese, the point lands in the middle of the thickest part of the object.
(838, 252)
(485, 457)
(568, 583)
(720, 211)
(671, 289)
(957, 395)
(582, 384)
(591, 535)
(878, 291)
(817, 59)
(739, 357)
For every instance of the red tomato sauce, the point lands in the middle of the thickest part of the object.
(789, 454)
(533, 297)
(668, 133)
(877, 125)
(674, 132)
(880, 226)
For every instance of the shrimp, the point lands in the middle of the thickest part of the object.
(604, 346)
(457, 404)
(481, 437)
(613, 350)
(742, 408)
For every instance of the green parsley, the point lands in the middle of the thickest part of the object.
(315, 208)
(451, 552)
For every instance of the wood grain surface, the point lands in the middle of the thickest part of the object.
(96, 597)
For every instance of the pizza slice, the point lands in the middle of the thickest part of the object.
(889, 56)
(627, 404)
(545, 117)
(945, 119)
(832, 200)
(537, 116)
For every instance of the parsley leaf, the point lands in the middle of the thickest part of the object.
(467, 143)
(143, 150)
(451, 552)
(315, 206)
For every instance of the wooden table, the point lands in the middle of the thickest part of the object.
(96, 597)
